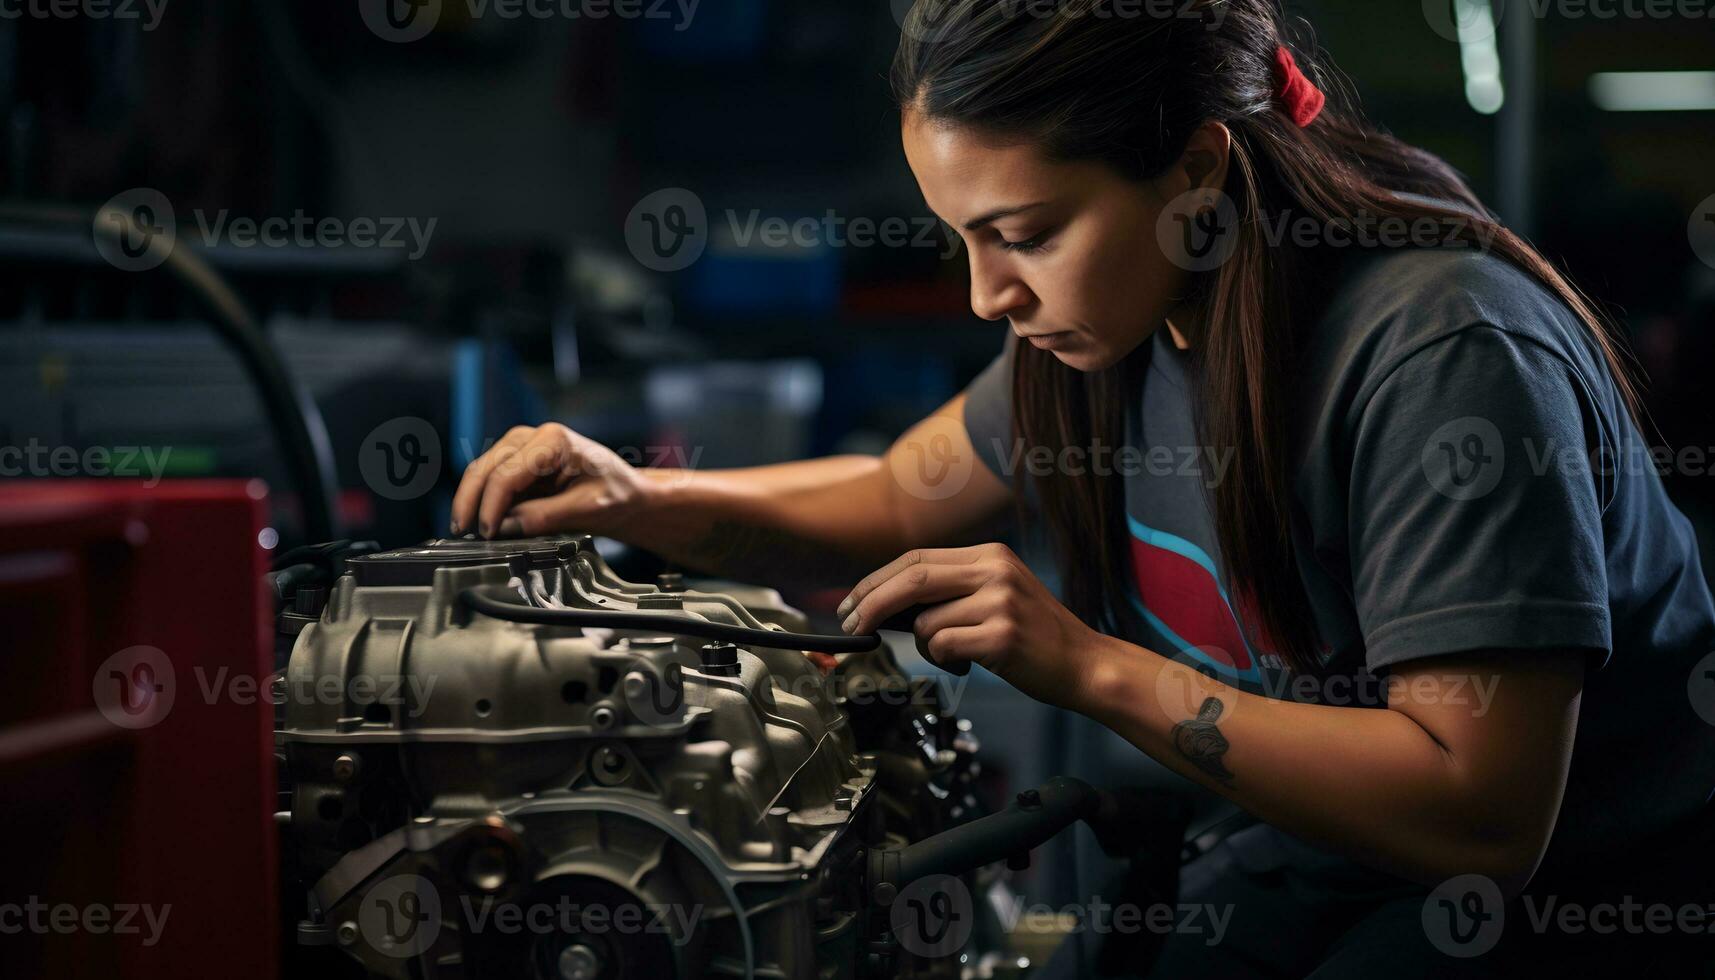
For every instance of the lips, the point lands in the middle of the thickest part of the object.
(1047, 341)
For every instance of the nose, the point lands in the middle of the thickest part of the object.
(995, 289)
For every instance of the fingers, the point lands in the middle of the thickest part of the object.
(568, 511)
(475, 477)
(544, 456)
(956, 648)
(914, 585)
(950, 617)
(971, 610)
(917, 556)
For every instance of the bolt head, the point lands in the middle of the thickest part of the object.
(345, 768)
(579, 962)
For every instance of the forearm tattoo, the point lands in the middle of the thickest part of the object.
(1199, 741)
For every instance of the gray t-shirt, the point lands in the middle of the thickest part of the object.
(1466, 477)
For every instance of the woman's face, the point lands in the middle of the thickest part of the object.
(1066, 252)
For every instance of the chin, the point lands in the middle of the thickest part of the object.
(1087, 360)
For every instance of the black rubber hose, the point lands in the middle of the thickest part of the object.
(481, 601)
(296, 420)
(1033, 817)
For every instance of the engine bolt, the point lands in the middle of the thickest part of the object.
(603, 717)
(720, 659)
(345, 768)
(608, 766)
(347, 933)
(579, 962)
(486, 868)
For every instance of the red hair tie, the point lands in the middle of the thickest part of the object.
(1297, 94)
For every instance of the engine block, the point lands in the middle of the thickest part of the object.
(471, 794)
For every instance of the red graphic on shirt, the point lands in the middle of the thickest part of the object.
(1182, 594)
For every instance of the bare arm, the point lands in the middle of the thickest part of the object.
(814, 522)
(1463, 771)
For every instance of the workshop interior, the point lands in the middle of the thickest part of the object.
(273, 273)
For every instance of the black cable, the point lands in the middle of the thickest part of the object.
(1030, 820)
(481, 601)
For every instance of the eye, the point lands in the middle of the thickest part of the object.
(1028, 246)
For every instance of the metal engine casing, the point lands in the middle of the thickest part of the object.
(444, 766)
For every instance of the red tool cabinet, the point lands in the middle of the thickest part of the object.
(136, 748)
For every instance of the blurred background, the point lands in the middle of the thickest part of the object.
(684, 229)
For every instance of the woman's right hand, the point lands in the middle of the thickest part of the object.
(545, 479)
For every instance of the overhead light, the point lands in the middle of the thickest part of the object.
(1478, 57)
(1653, 91)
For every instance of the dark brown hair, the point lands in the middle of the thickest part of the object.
(1084, 81)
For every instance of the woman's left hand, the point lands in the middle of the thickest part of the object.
(983, 606)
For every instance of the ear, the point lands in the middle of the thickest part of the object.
(1203, 164)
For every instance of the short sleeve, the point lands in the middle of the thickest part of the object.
(1475, 510)
(988, 410)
